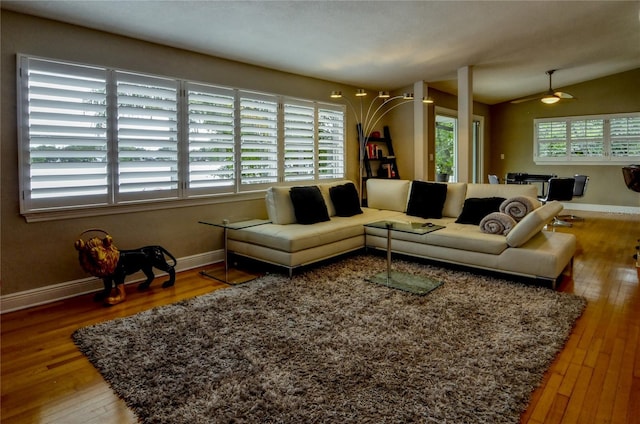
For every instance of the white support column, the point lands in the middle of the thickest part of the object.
(420, 147)
(465, 124)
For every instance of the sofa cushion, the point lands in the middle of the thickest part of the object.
(308, 205)
(279, 205)
(475, 209)
(501, 190)
(390, 195)
(324, 189)
(426, 199)
(533, 223)
(345, 200)
(297, 237)
(456, 193)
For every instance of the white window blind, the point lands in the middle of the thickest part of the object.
(594, 140)
(258, 139)
(552, 139)
(147, 136)
(587, 138)
(331, 136)
(91, 136)
(299, 141)
(625, 136)
(65, 156)
(211, 138)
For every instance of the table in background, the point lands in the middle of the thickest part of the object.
(525, 178)
(227, 225)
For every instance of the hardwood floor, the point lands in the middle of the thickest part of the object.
(595, 379)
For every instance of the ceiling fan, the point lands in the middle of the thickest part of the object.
(551, 96)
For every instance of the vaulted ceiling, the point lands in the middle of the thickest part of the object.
(386, 44)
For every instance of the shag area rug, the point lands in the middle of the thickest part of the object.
(329, 347)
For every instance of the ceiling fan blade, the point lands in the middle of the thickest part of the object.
(526, 99)
(563, 95)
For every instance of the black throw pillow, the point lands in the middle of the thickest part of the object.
(426, 199)
(345, 199)
(308, 205)
(475, 209)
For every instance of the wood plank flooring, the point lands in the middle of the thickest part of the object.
(595, 378)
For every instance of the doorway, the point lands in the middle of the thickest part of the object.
(446, 147)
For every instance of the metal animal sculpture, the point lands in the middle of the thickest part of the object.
(101, 258)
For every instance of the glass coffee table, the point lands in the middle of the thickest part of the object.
(226, 225)
(400, 280)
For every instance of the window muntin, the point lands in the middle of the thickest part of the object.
(603, 139)
(92, 136)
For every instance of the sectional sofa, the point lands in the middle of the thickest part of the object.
(526, 250)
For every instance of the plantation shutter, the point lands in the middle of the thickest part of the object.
(258, 139)
(299, 141)
(625, 137)
(147, 113)
(551, 139)
(587, 138)
(211, 139)
(331, 146)
(64, 134)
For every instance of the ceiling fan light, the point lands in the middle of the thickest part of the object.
(550, 99)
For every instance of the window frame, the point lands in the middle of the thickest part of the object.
(604, 144)
(182, 194)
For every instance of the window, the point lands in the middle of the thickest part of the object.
(259, 139)
(299, 141)
(147, 137)
(92, 136)
(211, 139)
(604, 139)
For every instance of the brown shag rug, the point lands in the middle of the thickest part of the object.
(329, 347)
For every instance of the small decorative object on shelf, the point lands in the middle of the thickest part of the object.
(101, 258)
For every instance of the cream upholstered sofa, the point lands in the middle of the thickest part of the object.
(526, 250)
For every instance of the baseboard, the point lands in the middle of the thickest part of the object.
(601, 208)
(53, 293)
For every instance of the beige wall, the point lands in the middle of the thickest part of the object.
(35, 255)
(401, 124)
(512, 135)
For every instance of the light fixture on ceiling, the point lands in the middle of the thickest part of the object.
(427, 100)
(367, 122)
(550, 97)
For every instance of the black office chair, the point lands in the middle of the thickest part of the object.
(560, 189)
(493, 179)
(579, 189)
